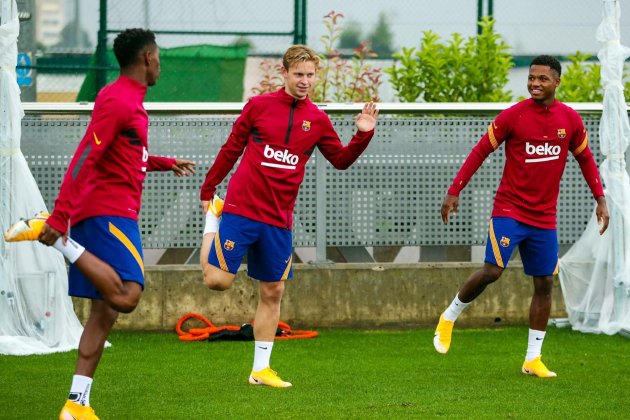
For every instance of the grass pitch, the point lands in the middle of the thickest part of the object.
(340, 374)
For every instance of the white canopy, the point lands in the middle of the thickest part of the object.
(595, 272)
(36, 314)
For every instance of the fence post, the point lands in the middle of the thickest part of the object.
(299, 22)
(320, 209)
(101, 48)
(303, 28)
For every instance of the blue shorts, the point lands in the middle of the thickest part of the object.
(116, 241)
(538, 247)
(269, 248)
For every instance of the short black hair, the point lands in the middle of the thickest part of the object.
(547, 60)
(131, 42)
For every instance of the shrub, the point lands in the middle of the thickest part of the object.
(339, 79)
(581, 82)
(271, 79)
(461, 70)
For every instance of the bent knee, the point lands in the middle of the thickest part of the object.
(216, 284)
(125, 309)
(217, 279)
(126, 305)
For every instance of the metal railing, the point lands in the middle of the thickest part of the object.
(390, 197)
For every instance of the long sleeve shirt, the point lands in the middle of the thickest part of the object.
(537, 141)
(107, 171)
(276, 134)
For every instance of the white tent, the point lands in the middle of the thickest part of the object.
(36, 315)
(595, 272)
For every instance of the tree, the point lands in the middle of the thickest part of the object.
(69, 38)
(243, 40)
(381, 37)
(350, 37)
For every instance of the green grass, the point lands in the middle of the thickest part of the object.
(340, 374)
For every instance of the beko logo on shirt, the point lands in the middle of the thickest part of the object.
(544, 151)
(145, 158)
(287, 160)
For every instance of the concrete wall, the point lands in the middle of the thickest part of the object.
(337, 295)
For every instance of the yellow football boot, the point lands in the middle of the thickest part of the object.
(216, 206)
(267, 377)
(27, 230)
(538, 368)
(74, 411)
(442, 337)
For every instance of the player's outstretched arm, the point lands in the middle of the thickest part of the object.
(449, 205)
(183, 167)
(602, 214)
(366, 119)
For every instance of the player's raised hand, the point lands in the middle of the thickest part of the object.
(449, 205)
(602, 214)
(181, 166)
(366, 119)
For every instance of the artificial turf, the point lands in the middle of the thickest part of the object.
(340, 374)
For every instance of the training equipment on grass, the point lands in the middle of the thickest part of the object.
(244, 332)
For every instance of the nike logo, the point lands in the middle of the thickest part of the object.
(538, 338)
(96, 140)
(264, 348)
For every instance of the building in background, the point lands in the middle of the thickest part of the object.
(49, 21)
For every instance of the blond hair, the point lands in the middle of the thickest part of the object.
(299, 54)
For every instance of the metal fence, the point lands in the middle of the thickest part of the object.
(390, 197)
(53, 66)
(565, 26)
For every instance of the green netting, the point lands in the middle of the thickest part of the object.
(196, 73)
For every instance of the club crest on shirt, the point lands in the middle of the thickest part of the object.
(505, 242)
(562, 133)
(306, 125)
(228, 245)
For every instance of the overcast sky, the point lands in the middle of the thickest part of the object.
(529, 27)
